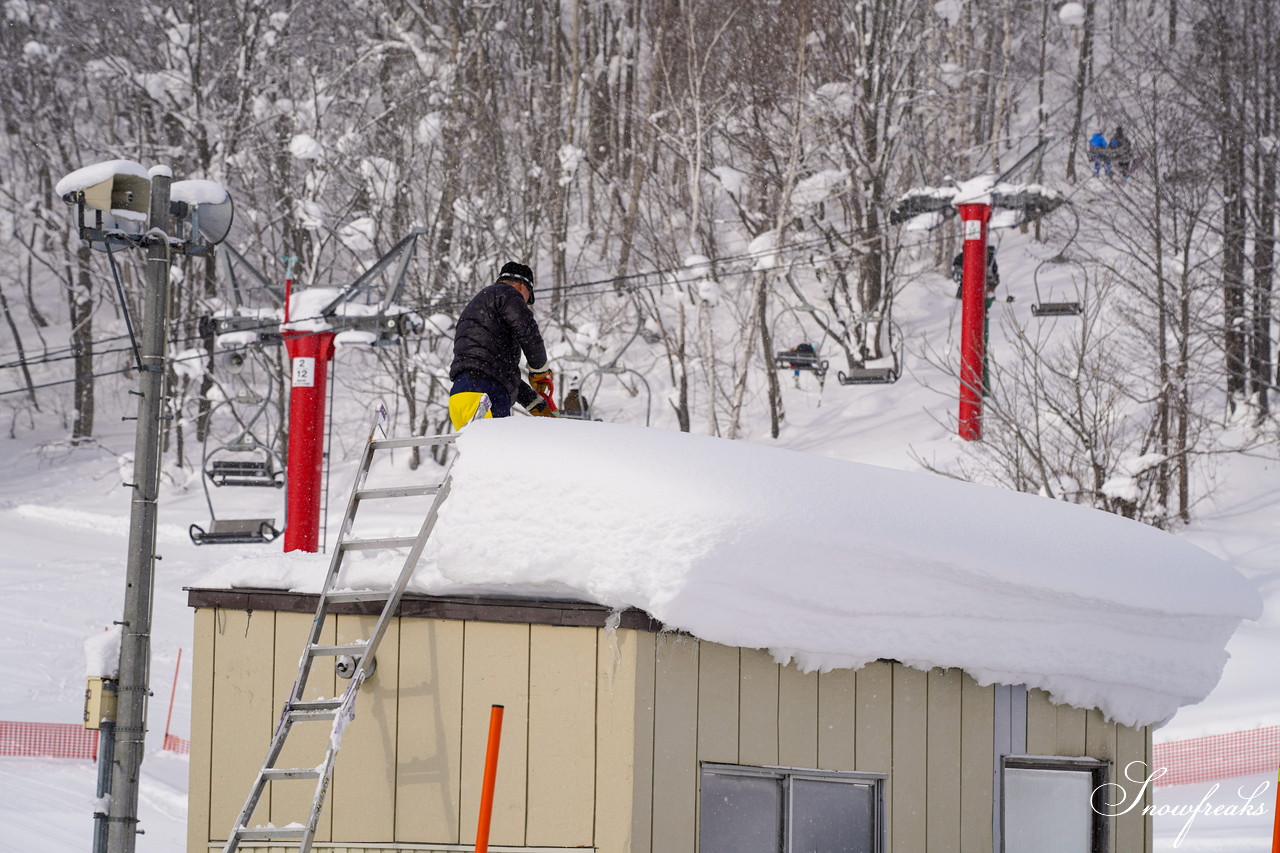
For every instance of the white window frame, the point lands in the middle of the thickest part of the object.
(785, 775)
(1100, 773)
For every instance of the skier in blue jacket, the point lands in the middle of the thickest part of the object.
(1099, 155)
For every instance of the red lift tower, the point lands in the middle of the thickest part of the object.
(311, 341)
(315, 321)
(974, 201)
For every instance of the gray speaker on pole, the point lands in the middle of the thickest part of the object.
(205, 207)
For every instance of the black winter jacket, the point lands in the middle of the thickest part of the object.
(492, 331)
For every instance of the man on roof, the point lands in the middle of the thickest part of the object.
(493, 330)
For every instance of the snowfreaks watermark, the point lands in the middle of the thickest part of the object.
(1137, 772)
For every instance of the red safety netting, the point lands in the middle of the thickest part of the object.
(173, 743)
(1203, 759)
(48, 740)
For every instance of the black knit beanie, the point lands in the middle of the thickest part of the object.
(513, 271)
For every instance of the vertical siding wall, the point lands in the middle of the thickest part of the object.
(1062, 730)
(932, 733)
(602, 737)
(411, 765)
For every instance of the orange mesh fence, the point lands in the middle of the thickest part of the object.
(48, 740)
(173, 743)
(1202, 759)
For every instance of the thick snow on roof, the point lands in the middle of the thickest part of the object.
(832, 563)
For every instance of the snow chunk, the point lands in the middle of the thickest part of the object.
(305, 147)
(951, 75)
(763, 249)
(430, 129)
(305, 305)
(948, 10)
(198, 192)
(189, 363)
(102, 653)
(354, 338)
(358, 234)
(310, 215)
(570, 157)
(818, 187)
(975, 190)
(731, 179)
(1071, 14)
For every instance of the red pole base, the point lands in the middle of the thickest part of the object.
(309, 355)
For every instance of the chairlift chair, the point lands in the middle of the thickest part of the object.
(880, 375)
(243, 461)
(1054, 308)
(251, 464)
(805, 357)
(236, 531)
(591, 369)
(614, 370)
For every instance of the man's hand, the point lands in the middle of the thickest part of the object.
(540, 409)
(543, 381)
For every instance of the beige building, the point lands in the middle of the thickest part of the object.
(622, 738)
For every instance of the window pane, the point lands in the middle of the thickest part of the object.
(1048, 810)
(740, 814)
(832, 817)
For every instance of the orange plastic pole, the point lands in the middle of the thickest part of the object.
(1275, 827)
(172, 695)
(490, 779)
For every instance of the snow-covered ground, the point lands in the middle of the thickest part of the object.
(63, 535)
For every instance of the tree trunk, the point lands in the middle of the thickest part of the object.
(1082, 83)
(22, 355)
(80, 302)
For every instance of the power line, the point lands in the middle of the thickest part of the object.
(604, 285)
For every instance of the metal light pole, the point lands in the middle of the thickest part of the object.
(135, 644)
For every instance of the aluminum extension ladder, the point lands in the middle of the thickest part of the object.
(359, 655)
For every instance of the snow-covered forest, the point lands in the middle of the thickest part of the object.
(698, 184)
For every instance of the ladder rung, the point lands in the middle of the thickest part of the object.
(306, 715)
(272, 774)
(353, 597)
(411, 441)
(271, 833)
(354, 649)
(315, 708)
(397, 492)
(377, 544)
